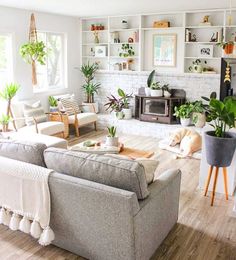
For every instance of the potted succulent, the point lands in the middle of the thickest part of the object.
(149, 83)
(125, 99)
(184, 112)
(166, 90)
(8, 93)
(4, 122)
(220, 143)
(112, 139)
(53, 104)
(156, 90)
(228, 47)
(90, 88)
(198, 115)
(115, 105)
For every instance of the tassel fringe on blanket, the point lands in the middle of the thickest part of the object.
(17, 222)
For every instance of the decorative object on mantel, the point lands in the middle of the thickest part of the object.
(205, 21)
(161, 24)
(111, 138)
(228, 46)
(150, 80)
(220, 145)
(90, 87)
(124, 24)
(34, 51)
(166, 43)
(184, 112)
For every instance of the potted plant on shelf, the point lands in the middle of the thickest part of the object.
(53, 104)
(4, 122)
(116, 106)
(125, 99)
(184, 112)
(149, 83)
(166, 90)
(8, 93)
(228, 47)
(198, 116)
(90, 87)
(126, 50)
(197, 66)
(156, 90)
(220, 143)
(112, 139)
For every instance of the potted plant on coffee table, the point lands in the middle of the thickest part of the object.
(184, 112)
(112, 139)
(90, 88)
(115, 105)
(198, 116)
(220, 143)
(53, 104)
(125, 99)
(149, 83)
(156, 90)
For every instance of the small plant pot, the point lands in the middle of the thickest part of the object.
(167, 94)
(200, 119)
(185, 121)
(124, 25)
(120, 115)
(147, 92)
(127, 113)
(156, 92)
(229, 48)
(220, 151)
(90, 107)
(112, 141)
(53, 109)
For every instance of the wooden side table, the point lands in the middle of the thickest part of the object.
(61, 117)
(215, 182)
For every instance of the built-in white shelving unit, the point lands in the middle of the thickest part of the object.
(142, 26)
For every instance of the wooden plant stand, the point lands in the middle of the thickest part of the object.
(215, 182)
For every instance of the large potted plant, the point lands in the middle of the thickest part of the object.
(8, 93)
(198, 116)
(220, 143)
(115, 105)
(90, 88)
(125, 99)
(149, 83)
(184, 112)
(112, 139)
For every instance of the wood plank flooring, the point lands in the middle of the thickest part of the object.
(202, 232)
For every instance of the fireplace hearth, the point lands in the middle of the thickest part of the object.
(158, 109)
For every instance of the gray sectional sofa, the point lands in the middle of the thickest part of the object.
(102, 207)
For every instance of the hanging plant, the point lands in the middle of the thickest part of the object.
(34, 51)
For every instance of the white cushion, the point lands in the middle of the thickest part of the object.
(46, 128)
(36, 111)
(84, 118)
(17, 111)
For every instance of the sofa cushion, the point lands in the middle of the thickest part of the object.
(23, 151)
(34, 111)
(124, 174)
(84, 118)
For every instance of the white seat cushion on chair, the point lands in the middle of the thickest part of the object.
(46, 128)
(83, 118)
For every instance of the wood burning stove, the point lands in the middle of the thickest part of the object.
(158, 109)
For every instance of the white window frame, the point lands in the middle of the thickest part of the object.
(63, 65)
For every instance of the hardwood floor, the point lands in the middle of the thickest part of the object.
(203, 232)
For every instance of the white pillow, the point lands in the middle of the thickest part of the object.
(34, 111)
(149, 165)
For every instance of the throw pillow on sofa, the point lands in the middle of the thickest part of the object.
(34, 111)
(123, 174)
(23, 151)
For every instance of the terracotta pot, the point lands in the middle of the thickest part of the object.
(229, 48)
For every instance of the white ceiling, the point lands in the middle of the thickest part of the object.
(112, 7)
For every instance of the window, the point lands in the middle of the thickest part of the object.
(52, 75)
(5, 59)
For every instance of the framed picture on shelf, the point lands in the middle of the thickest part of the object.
(100, 51)
(205, 50)
(164, 50)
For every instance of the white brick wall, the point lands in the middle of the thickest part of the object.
(194, 85)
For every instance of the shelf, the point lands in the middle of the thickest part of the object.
(95, 44)
(204, 58)
(93, 57)
(118, 57)
(99, 31)
(131, 43)
(204, 27)
(230, 26)
(201, 42)
(166, 28)
(122, 30)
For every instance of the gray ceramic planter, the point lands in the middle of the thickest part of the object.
(220, 151)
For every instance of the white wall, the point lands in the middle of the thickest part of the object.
(17, 21)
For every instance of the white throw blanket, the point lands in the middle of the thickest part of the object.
(25, 199)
